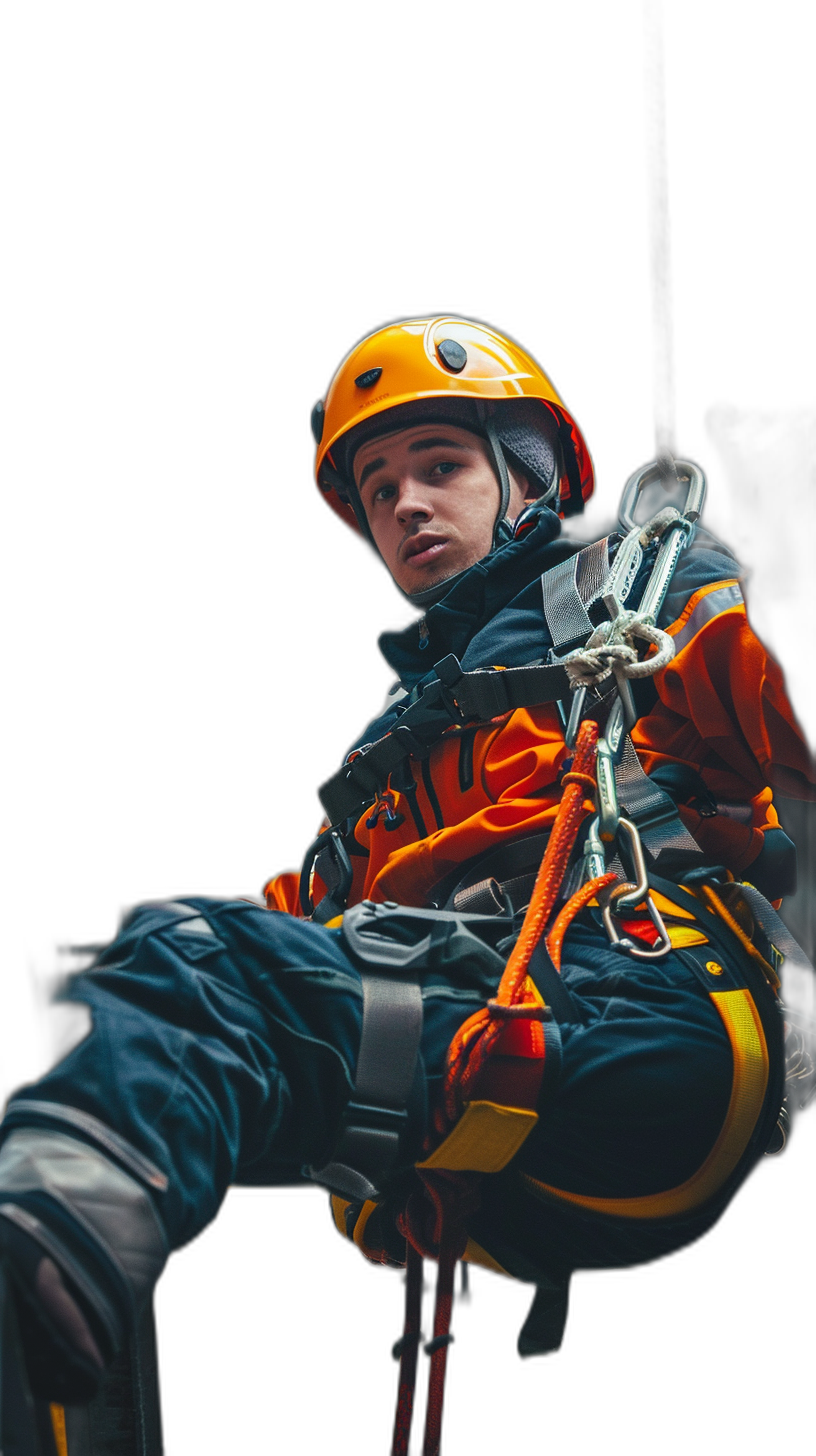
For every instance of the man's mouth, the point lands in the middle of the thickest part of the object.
(423, 548)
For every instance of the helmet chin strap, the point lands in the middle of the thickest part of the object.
(503, 474)
(435, 593)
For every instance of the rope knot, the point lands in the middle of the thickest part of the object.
(518, 1011)
(583, 779)
(611, 649)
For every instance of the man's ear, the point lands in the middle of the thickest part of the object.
(531, 488)
(521, 492)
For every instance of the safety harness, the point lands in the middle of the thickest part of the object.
(595, 662)
(635, 851)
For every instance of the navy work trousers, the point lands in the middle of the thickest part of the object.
(224, 1041)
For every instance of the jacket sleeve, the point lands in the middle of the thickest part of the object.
(723, 708)
(282, 892)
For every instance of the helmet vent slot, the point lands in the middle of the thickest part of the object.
(369, 378)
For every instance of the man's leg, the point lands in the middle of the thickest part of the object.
(223, 1048)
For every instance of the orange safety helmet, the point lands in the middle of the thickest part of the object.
(472, 374)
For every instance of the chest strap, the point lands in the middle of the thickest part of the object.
(569, 590)
(454, 698)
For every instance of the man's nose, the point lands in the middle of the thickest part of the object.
(414, 500)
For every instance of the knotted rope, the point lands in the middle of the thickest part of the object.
(611, 649)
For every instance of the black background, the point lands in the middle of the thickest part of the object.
(191, 641)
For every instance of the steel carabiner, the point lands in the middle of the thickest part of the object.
(626, 896)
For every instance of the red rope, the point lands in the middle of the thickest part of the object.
(409, 1351)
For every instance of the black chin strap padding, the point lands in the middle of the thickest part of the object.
(575, 504)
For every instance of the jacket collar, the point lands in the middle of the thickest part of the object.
(474, 600)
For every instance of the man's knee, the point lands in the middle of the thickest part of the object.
(82, 1242)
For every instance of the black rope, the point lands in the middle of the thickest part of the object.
(663, 385)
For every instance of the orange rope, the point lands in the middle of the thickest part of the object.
(582, 897)
(474, 1038)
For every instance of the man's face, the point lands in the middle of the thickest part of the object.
(431, 496)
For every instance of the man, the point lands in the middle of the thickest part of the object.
(600, 1116)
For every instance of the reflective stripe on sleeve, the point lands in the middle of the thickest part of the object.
(706, 604)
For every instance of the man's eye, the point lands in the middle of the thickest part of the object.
(384, 493)
(444, 467)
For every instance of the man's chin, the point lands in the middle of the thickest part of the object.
(425, 586)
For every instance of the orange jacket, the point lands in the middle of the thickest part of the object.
(719, 707)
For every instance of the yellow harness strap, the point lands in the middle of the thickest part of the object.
(750, 1080)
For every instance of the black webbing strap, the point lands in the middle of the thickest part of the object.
(507, 863)
(376, 1116)
(456, 697)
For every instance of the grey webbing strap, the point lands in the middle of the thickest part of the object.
(653, 810)
(593, 571)
(376, 1115)
(510, 866)
(566, 616)
(774, 927)
(569, 589)
(392, 1026)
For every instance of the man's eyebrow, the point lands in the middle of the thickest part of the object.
(369, 470)
(432, 443)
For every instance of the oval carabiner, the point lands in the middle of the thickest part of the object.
(626, 896)
(686, 470)
(622, 894)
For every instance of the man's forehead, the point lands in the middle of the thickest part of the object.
(409, 436)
